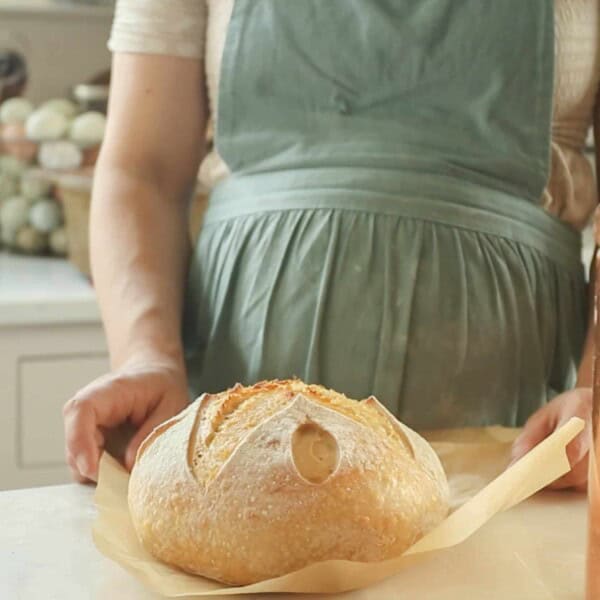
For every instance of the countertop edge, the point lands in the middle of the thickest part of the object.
(49, 312)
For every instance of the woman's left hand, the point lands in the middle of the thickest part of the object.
(575, 403)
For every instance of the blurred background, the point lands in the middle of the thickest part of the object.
(54, 85)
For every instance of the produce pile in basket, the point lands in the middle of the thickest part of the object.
(36, 144)
(31, 218)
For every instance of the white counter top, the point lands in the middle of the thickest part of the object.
(46, 551)
(44, 291)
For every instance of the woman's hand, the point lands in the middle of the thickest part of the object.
(575, 403)
(144, 394)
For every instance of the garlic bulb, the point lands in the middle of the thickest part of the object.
(8, 237)
(31, 241)
(12, 166)
(15, 143)
(34, 187)
(15, 111)
(60, 155)
(45, 124)
(59, 243)
(88, 129)
(9, 186)
(61, 105)
(14, 213)
(45, 215)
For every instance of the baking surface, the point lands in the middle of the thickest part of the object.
(44, 290)
(46, 550)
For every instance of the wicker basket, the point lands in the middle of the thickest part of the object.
(74, 190)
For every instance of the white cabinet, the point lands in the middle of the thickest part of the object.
(51, 344)
(43, 384)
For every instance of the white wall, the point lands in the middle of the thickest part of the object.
(64, 44)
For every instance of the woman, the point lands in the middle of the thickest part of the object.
(386, 217)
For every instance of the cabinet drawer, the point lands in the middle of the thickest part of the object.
(44, 384)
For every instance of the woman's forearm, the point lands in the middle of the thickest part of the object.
(139, 252)
(145, 175)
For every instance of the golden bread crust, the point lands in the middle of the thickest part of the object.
(259, 481)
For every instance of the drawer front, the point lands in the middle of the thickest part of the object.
(45, 383)
(41, 367)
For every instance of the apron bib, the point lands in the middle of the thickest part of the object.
(380, 230)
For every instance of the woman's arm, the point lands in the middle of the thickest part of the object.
(145, 176)
(144, 179)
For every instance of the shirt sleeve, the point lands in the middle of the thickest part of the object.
(171, 27)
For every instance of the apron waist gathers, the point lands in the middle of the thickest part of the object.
(435, 198)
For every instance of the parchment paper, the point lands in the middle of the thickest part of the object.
(480, 487)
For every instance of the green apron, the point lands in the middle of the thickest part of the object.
(380, 232)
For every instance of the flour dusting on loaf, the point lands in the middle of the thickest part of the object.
(259, 481)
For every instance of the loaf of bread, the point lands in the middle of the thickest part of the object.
(260, 481)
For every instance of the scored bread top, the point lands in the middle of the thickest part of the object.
(223, 419)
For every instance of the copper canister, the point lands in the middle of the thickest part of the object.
(593, 551)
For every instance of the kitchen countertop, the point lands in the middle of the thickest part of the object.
(46, 551)
(39, 291)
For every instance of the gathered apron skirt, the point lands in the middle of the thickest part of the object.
(452, 314)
